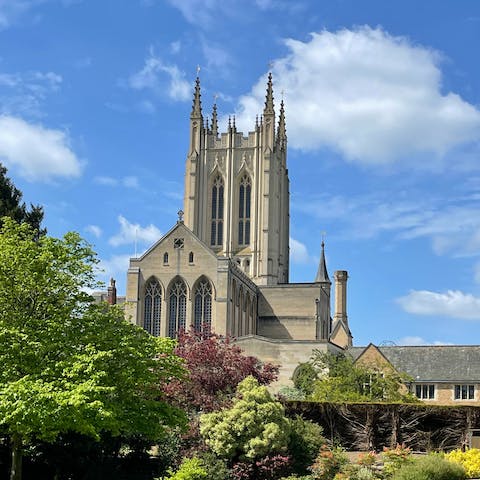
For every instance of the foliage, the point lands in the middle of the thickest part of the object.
(470, 460)
(69, 364)
(304, 377)
(11, 205)
(367, 459)
(216, 366)
(395, 458)
(255, 425)
(215, 467)
(305, 442)
(346, 381)
(296, 477)
(431, 467)
(270, 467)
(190, 469)
(328, 463)
(290, 393)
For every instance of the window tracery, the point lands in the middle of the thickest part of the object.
(152, 308)
(202, 315)
(216, 233)
(177, 308)
(244, 207)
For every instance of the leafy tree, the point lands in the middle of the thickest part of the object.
(11, 204)
(69, 364)
(345, 381)
(216, 366)
(254, 427)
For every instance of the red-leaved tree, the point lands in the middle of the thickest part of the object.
(216, 367)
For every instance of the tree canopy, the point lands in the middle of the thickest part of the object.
(340, 379)
(216, 366)
(11, 204)
(69, 364)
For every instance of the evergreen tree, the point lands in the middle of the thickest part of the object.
(11, 204)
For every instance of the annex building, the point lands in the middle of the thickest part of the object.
(224, 265)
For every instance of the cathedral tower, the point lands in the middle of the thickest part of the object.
(237, 190)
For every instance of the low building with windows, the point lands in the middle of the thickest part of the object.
(439, 374)
(224, 266)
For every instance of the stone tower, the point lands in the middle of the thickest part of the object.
(237, 190)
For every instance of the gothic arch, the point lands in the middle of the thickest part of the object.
(152, 306)
(217, 208)
(177, 296)
(202, 299)
(244, 207)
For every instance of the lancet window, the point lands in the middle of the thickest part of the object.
(202, 315)
(177, 311)
(152, 307)
(244, 207)
(217, 212)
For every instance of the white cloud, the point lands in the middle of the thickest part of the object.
(175, 47)
(157, 76)
(419, 341)
(299, 253)
(129, 181)
(373, 97)
(115, 265)
(131, 232)
(453, 303)
(94, 230)
(36, 152)
(11, 10)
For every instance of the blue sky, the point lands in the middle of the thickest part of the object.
(383, 122)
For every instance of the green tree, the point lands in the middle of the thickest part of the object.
(69, 364)
(252, 428)
(11, 204)
(343, 380)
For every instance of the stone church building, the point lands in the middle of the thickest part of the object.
(224, 266)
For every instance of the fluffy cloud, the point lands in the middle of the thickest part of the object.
(299, 253)
(94, 230)
(132, 232)
(36, 152)
(115, 265)
(11, 10)
(453, 303)
(372, 97)
(158, 76)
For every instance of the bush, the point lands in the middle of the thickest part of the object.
(304, 378)
(215, 467)
(328, 463)
(190, 469)
(470, 460)
(395, 458)
(431, 467)
(305, 442)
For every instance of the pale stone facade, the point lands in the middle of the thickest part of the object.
(225, 265)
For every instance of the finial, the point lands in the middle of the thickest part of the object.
(197, 104)
(282, 131)
(180, 214)
(234, 126)
(256, 121)
(214, 118)
(269, 97)
(229, 122)
(322, 273)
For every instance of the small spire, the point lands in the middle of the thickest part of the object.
(322, 274)
(282, 131)
(269, 97)
(256, 121)
(206, 124)
(234, 126)
(229, 123)
(214, 120)
(197, 104)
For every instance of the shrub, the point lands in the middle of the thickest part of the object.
(304, 378)
(395, 458)
(431, 467)
(215, 467)
(470, 460)
(328, 463)
(270, 467)
(190, 469)
(305, 442)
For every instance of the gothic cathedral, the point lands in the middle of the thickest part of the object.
(224, 265)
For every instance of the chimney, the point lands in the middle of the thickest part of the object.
(112, 293)
(341, 277)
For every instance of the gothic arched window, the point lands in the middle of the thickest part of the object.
(152, 307)
(244, 199)
(165, 257)
(177, 310)
(216, 233)
(202, 314)
(190, 257)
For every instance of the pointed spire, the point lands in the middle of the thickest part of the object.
(269, 97)
(229, 123)
(322, 274)
(214, 120)
(282, 131)
(234, 126)
(197, 104)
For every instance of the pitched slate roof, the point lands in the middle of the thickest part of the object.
(442, 363)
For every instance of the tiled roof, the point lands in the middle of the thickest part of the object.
(445, 363)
